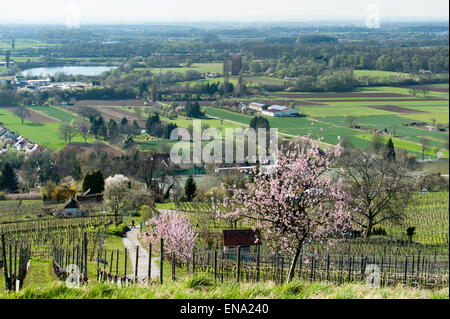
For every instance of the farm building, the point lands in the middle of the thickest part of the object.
(71, 207)
(257, 106)
(234, 238)
(90, 197)
(279, 111)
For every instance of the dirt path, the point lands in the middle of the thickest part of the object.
(130, 241)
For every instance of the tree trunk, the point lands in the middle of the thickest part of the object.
(369, 229)
(294, 263)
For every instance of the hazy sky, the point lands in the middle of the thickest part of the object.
(128, 11)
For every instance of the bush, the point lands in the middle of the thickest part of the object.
(2, 196)
(379, 231)
(293, 288)
(117, 230)
(199, 280)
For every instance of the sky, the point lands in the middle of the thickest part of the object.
(75, 12)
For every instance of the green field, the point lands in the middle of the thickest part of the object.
(199, 67)
(46, 134)
(56, 113)
(440, 117)
(378, 73)
(329, 128)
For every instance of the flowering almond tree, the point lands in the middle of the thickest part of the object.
(296, 203)
(177, 232)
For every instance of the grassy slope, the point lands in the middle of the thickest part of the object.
(409, 136)
(185, 289)
(46, 134)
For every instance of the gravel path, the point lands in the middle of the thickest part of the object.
(130, 241)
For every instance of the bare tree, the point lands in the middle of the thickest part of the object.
(83, 129)
(22, 112)
(139, 110)
(426, 144)
(350, 121)
(380, 190)
(67, 132)
(413, 91)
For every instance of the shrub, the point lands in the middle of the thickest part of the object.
(2, 196)
(117, 230)
(199, 280)
(293, 288)
(379, 231)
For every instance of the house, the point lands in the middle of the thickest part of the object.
(245, 238)
(3, 131)
(240, 105)
(279, 111)
(90, 197)
(71, 207)
(257, 106)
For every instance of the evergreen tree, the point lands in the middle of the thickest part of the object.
(236, 64)
(259, 122)
(142, 89)
(94, 181)
(7, 58)
(155, 90)
(190, 189)
(8, 179)
(389, 151)
(193, 109)
(113, 129)
(152, 121)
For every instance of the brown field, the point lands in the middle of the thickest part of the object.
(394, 108)
(34, 116)
(117, 114)
(127, 102)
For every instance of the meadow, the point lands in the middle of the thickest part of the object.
(205, 288)
(327, 119)
(43, 133)
(56, 113)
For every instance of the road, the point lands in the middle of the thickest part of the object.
(130, 241)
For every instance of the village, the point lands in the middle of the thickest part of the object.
(8, 139)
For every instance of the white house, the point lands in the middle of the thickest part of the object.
(256, 106)
(279, 111)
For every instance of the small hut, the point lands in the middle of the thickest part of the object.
(71, 207)
(245, 238)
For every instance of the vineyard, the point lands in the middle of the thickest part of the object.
(83, 243)
(429, 214)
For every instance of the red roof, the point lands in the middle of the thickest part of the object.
(241, 237)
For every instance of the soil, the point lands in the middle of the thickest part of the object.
(126, 102)
(394, 108)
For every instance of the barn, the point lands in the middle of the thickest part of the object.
(279, 111)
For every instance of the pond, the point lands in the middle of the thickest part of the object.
(68, 70)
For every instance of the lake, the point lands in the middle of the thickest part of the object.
(69, 70)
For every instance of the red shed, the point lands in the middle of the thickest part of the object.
(241, 237)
